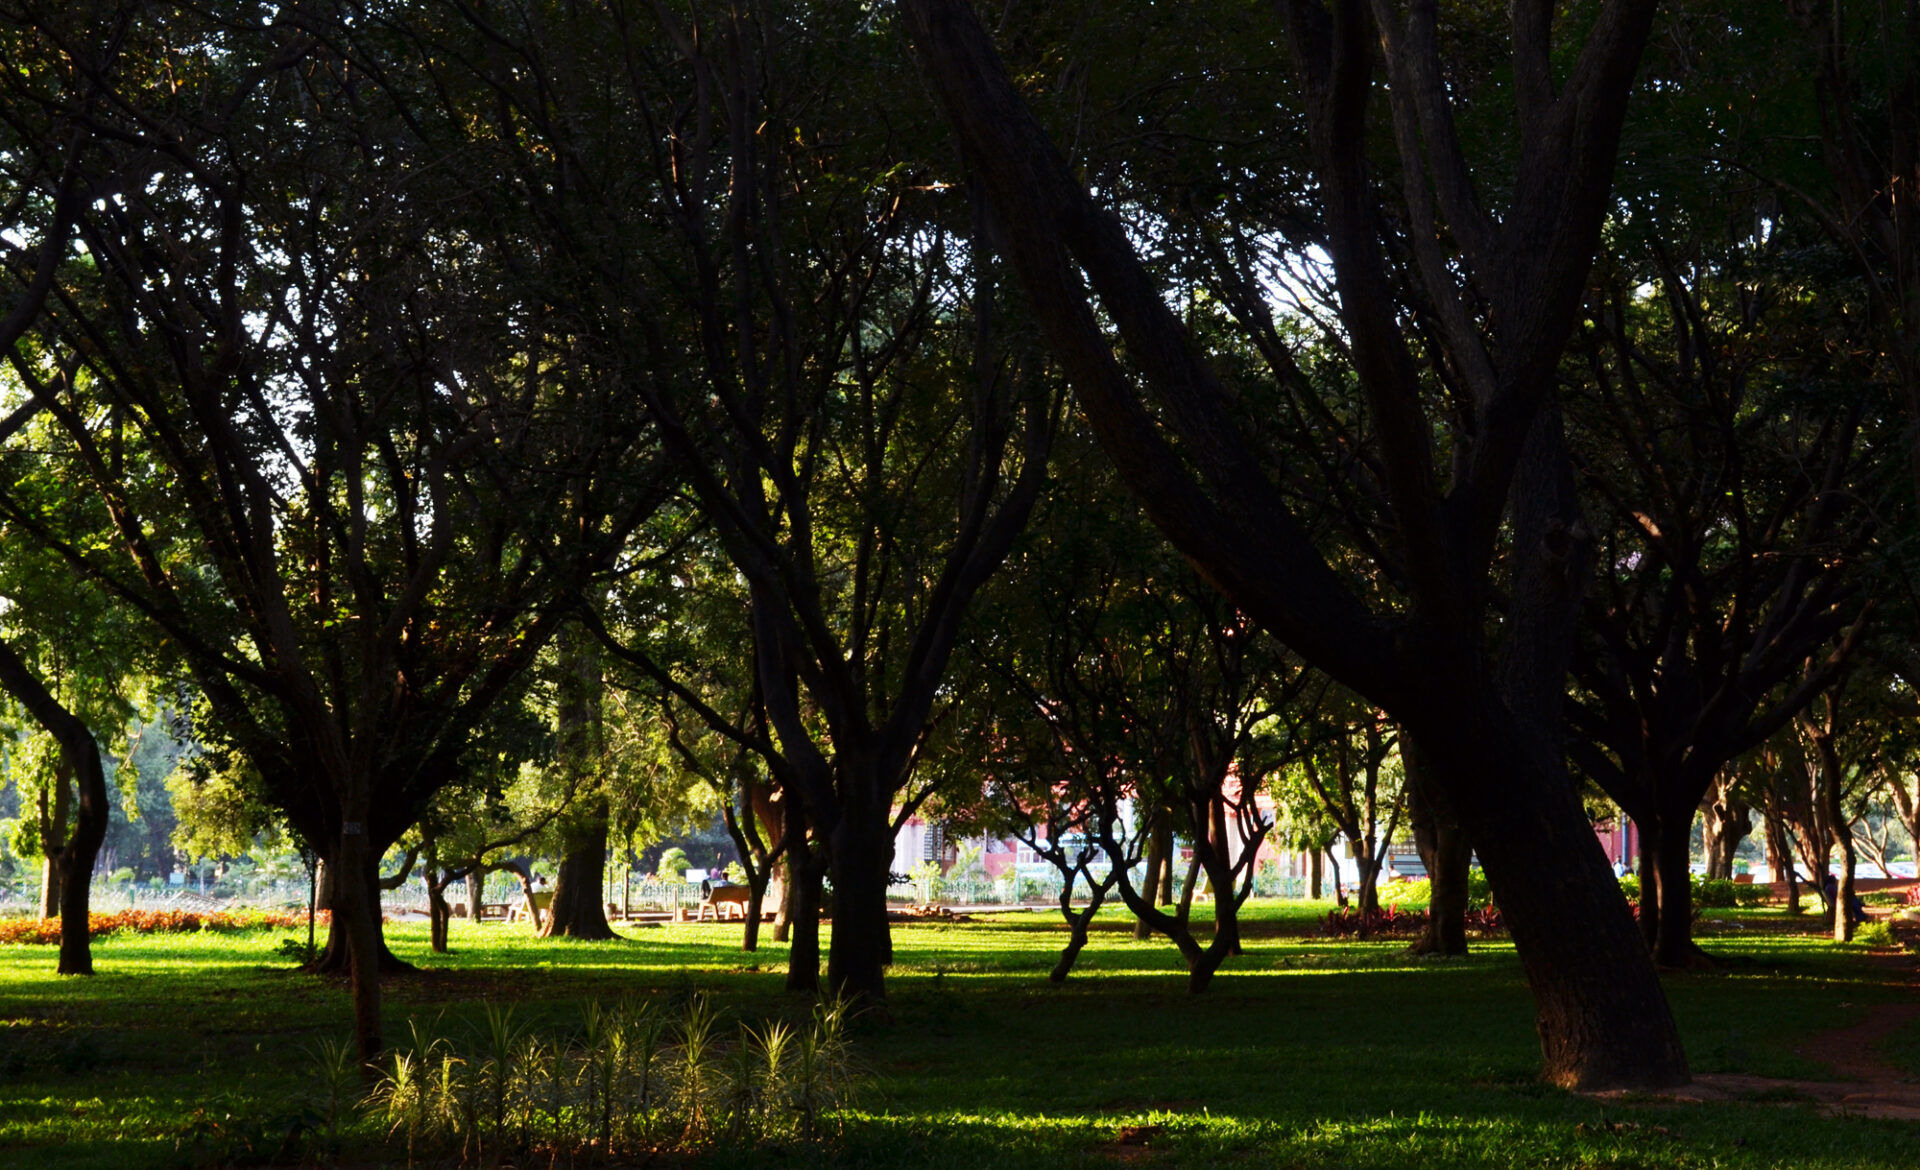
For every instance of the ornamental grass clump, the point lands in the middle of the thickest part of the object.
(630, 1081)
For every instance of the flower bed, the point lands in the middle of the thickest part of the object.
(46, 931)
(1390, 922)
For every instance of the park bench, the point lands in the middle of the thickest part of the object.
(720, 898)
(531, 906)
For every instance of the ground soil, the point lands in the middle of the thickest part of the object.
(1864, 1083)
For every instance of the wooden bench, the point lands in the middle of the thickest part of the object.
(532, 906)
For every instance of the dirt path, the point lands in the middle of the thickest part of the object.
(1867, 1085)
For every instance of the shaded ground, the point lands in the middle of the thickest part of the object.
(1863, 1079)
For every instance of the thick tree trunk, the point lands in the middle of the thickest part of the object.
(476, 892)
(1726, 822)
(1444, 851)
(579, 906)
(1673, 944)
(336, 957)
(1602, 1017)
(783, 913)
(1316, 886)
(862, 939)
(1649, 867)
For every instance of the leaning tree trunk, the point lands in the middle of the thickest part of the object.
(579, 907)
(70, 861)
(1601, 1015)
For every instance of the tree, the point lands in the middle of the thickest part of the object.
(1498, 246)
(352, 473)
(819, 340)
(1724, 450)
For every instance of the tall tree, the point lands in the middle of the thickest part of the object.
(1497, 235)
(819, 338)
(353, 477)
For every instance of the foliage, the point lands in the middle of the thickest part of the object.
(1876, 934)
(46, 931)
(1393, 922)
(1719, 893)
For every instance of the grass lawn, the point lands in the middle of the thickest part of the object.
(1306, 1052)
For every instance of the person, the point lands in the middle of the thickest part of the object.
(1856, 906)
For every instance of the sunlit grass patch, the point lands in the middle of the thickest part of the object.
(1306, 1052)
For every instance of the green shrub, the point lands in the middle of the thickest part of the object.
(1720, 894)
(1875, 934)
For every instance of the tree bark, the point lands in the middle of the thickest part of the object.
(1444, 851)
(70, 861)
(1601, 1020)
(804, 874)
(53, 835)
(578, 909)
(1673, 944)
(1315, 857)
(356, 914)
(1159, 866)
(862, 856)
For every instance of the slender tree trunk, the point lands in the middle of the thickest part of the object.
(1780, 857)
(579, 906)
(1842, 838)
(1159, 849)
(53, 835)
(756, 901)
(804, 874)
(439, 911)
(356, 913)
